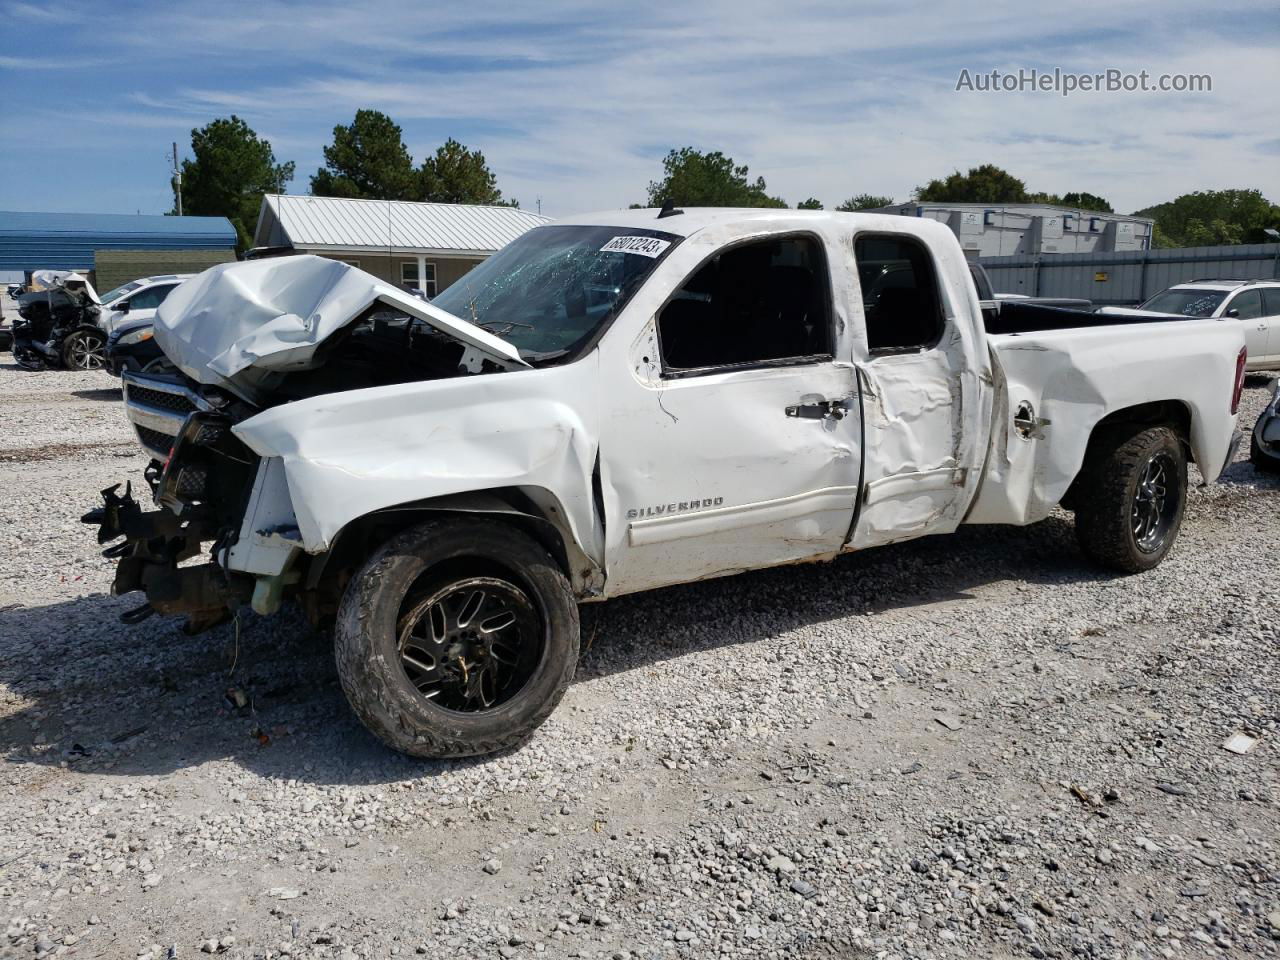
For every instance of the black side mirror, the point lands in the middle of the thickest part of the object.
(1233, 312)
(123, 306)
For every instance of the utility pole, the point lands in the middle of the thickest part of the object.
(177, 178)
(539, 204)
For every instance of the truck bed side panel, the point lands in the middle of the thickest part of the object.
(1074, 378)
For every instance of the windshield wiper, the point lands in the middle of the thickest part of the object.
(506, 325)
(533, 356)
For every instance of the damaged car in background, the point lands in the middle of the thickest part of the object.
(57, 323)
(1264, 443)
(616, 404)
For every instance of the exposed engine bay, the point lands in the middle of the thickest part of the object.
(202, 477)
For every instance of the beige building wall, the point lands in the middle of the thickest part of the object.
(391, 269)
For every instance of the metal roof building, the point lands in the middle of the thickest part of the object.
(424, 245)
(69, 241)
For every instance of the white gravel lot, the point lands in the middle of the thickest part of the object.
(969, 746)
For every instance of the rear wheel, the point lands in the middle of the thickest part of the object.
(1131, 498)
(458, 637)
(84, 350)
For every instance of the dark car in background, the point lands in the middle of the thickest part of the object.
(132, 346)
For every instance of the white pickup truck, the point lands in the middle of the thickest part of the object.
(617, 403)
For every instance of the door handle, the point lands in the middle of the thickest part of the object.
(820, 409)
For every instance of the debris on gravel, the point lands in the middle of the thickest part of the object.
(966, 746)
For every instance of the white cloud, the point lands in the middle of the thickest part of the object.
(578, 102)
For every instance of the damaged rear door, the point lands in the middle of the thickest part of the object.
(925, 403)
(735, 443)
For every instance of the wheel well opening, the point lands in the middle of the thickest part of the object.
(1170, 413)
(329, 573)
(1119, 424)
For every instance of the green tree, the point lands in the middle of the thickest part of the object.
(1041, 197)
(1212, 217)
(692, 178)
(231, 168)
(864, 201)
(811, 204)
(1086, 201)
(458, 175)
(367, 159)
(984, 184)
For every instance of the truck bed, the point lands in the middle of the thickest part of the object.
(1011, 316)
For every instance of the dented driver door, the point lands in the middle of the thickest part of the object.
(734, 438)
(714, 475)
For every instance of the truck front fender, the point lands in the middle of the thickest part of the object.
(350, 454)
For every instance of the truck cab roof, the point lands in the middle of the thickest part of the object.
(686, 221)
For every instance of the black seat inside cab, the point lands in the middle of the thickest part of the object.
(902, 318)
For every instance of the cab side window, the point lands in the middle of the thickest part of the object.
(1271, 301)
(899, 294)
(1248, 304)
(762, 303)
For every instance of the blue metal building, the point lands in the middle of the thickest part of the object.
(68, 241)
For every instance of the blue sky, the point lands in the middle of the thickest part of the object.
(577, 102)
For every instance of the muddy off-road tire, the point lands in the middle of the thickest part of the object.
(1131, 498)
(457, 638)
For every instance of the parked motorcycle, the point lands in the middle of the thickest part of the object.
(58, 327)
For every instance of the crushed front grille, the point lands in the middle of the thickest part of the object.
(154, 439)
(161, 399)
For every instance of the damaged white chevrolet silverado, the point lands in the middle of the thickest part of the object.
(626, 401)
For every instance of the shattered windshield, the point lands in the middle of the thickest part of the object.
(550, 290)
(1187, 303)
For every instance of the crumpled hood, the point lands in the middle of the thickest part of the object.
(239, 322)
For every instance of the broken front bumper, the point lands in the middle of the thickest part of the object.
(147, 559)
(201, 490)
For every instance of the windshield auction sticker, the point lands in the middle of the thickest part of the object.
(644, 246)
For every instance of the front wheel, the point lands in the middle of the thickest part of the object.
(457, 638)
(84, 350)
(1133, 492)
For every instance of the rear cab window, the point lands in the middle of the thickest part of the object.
(900, 297)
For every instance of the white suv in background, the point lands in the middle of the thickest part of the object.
(137, 300)
(1255, 303)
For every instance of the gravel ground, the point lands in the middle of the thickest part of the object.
(970, 746)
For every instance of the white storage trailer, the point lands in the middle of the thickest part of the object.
(1001, 230)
